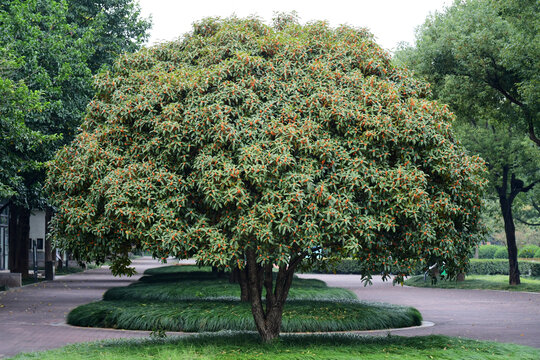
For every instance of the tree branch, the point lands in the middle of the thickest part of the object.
(525, 222)
(530, 186)
(532, 136)
(535, 205)
(495, 85)
(268, 285)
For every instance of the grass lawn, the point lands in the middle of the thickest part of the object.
(247, 346)
(486, 282)
(186, 282)
(187, 298)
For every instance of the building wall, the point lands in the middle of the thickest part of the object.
(37, 232)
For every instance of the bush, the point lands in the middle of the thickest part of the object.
(528, 251)
(345, 266)
(500, 267)
(537, 254)
(477, 267)
(501, 253)
(487, 251)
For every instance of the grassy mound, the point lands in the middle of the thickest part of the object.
(247, 346)
(173, 283)
(484, 282)
(199, 316)
(186, 298)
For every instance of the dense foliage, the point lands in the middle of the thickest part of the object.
(117, 27)
(285, 141)
(488, 251)
(19, 146)
(245, 144)
(528, 251)
(500, 266)
(482, 58)
(49, 51)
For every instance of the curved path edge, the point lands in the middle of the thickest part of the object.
(32, 318)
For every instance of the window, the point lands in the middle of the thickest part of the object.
(40, 244)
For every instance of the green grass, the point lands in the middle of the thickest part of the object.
(186, 298)
(176, 269)
(184, 285)
(225, 346)
(486, 282)
(30, 280)
(200, 316)
(73, 270)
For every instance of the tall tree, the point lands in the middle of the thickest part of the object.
(117, 26)
(482, 57)
(50, 62)
(247, 146)
(55, 58)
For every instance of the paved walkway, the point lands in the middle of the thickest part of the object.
(502, 316)
(32, 318)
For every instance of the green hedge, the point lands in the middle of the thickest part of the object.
(528, 251)
(477, 267)
(500, 267)
(345, 266)
(488, 251)
(537, 254)
(501, 253)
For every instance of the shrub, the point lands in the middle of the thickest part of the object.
(537, 254)
(500, 267)
(501, 253)
(487, 251)
(346, 266)
(477, 267)
(528, 251)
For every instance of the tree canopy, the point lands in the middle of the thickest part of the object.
(50, 50)
(246, 146)
(482, 58)
(117, 27)
(20, 147)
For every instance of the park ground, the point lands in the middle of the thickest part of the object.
(32, 318)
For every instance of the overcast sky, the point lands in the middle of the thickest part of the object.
(391, 21)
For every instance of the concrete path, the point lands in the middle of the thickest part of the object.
(502, 316)
(33, 317)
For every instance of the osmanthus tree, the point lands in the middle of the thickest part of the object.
(257, 148)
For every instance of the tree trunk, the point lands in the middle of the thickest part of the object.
(268, 315)
(19, 235)
(240, 277)
(505, 202)
(49, 259)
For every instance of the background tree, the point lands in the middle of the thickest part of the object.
(117, 26)
(248, 146)
(483, 58)
(49, 62)
(55, 56)
(18, 144)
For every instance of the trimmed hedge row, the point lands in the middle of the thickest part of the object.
(477, 267)
(500, 267)
(528, 251)
(488, 251)
(501, 252)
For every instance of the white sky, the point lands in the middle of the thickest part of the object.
(391, 21)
